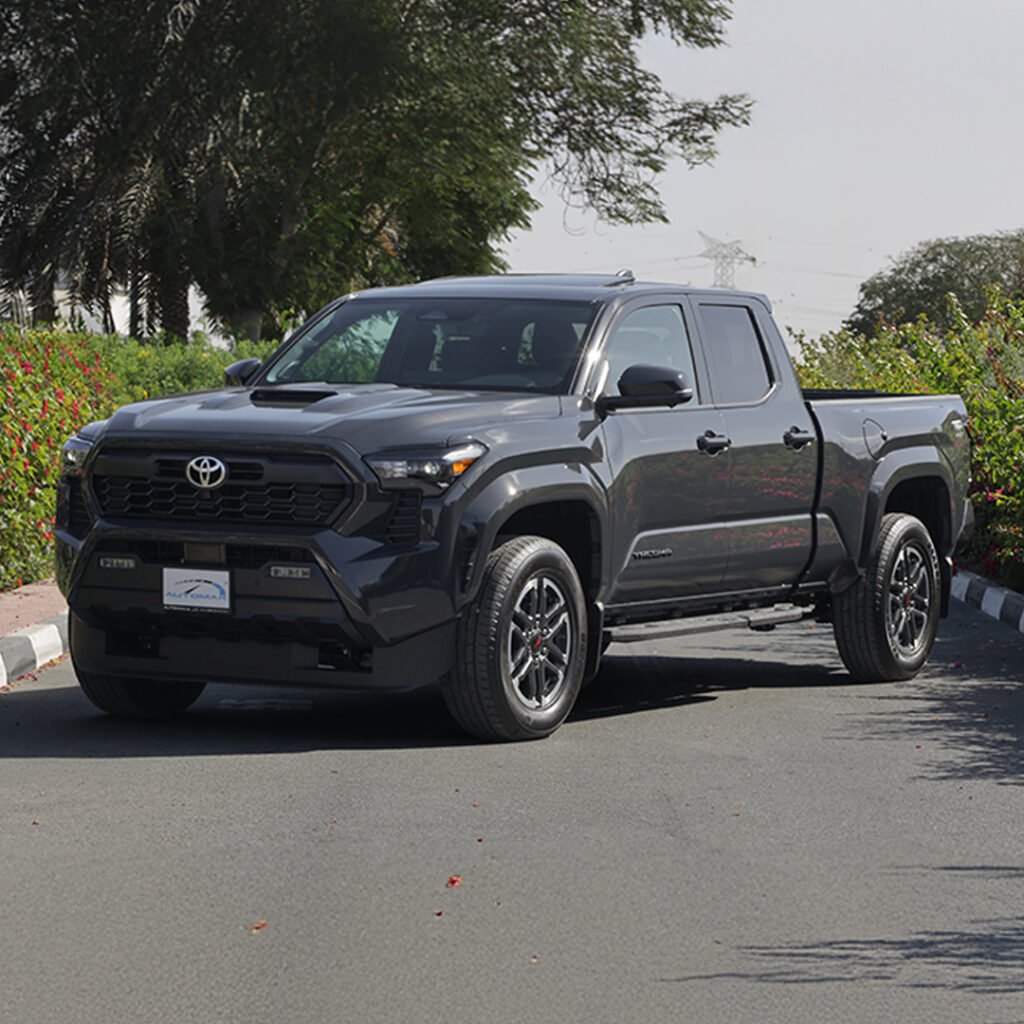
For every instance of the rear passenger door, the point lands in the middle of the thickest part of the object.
(666, 495)
(768, 524)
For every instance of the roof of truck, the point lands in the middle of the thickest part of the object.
(589, 287)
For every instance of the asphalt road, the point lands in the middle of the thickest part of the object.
(725, 831)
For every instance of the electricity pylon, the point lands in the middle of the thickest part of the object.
(726, 255)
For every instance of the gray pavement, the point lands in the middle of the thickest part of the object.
(735, 835)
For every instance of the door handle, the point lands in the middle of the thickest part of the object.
(797, 439)
(711, 443)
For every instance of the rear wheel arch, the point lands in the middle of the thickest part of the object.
(926, 498)
(922, 491)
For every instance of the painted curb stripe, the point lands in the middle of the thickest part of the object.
(1012, 612)
(997, 602)
(46, 643)
(975, 592)
(18, 654)
(992, 601)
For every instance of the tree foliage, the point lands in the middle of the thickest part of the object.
(277, 156)
(920, 281)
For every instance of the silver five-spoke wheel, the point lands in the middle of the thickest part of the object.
(540, 642)
(908, 609)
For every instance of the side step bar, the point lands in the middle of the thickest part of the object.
(759, 619)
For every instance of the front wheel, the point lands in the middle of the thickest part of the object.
(885, 624)
(522, 645)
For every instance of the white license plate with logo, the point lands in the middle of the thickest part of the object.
(197, 590)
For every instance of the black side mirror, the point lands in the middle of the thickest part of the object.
(236, 375)
(643, 387)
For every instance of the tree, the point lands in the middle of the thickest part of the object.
(919, 281)
(276, 159)
(94, 177)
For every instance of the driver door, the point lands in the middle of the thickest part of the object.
(668, 496)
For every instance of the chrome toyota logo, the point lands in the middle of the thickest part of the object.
(206, 473)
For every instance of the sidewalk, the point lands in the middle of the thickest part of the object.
(34, 620)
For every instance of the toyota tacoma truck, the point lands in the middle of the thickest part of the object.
(486, 481)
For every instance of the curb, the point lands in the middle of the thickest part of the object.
(995, 601)
(30, 648)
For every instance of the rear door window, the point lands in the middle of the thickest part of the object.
(736, 351)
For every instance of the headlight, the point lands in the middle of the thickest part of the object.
(74, 453)
(440, 467)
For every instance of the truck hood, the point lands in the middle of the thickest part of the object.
(368, 417)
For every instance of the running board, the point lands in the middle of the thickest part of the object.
(761, 620)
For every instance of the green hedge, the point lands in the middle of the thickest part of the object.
(52, 383)
(984, 363)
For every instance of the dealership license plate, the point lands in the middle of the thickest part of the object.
(197, 590)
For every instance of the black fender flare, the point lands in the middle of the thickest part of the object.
(506, 494)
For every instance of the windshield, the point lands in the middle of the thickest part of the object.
(488, 344)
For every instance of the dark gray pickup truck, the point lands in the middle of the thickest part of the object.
(484, 482)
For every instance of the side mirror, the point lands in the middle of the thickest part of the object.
(645, 387)
(238, 373)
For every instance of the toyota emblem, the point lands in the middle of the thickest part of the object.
(206, 473)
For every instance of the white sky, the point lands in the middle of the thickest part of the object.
(877, 124)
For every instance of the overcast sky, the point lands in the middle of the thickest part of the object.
(877, 124)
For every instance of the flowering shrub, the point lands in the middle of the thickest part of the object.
(984, 363)
(52, 382)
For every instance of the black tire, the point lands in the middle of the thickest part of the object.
(885, 624)
(138, 698)
(522, 645)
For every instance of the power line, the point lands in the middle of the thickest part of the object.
(816, 270)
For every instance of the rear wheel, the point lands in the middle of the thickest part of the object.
(885, 624)
(130, 697)
(522, 645)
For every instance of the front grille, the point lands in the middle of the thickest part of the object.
(280, 489)
(301, 504)
(404, 522)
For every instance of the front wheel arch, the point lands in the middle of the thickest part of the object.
(530, 604)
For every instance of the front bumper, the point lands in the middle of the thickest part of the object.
(362, 614)
(179, 654)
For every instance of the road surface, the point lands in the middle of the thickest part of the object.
(726, 830)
